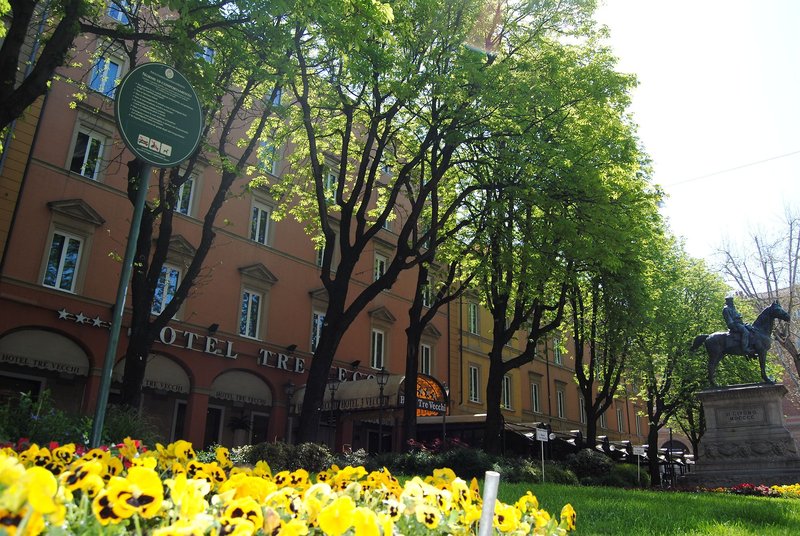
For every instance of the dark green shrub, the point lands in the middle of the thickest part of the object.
(589, 464)
(418, 462)
(277, 455)
(468, 463)
(38, 421)
(124, 421)
(313, 457)
(357, 458)
(624, 476)
(557, 473)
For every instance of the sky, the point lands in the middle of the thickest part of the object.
(718, 110)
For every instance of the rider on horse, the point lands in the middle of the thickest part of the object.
(735, 324)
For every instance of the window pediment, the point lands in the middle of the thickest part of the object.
(430, 331)
(181, 247)
(77, 209)
(382, 314)
(259, 273)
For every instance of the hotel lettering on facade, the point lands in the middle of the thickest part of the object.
(239, 348)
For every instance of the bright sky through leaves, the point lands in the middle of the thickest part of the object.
(718, 109)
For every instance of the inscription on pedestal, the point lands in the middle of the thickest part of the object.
(729, 417)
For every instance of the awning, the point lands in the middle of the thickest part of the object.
(365, 395)
(242, 388)
(44, 350)
(161, 374)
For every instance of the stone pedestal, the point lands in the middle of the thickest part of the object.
(746, 439)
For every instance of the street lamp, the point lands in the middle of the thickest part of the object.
(288, 388)
(382, 377)
(446, 390)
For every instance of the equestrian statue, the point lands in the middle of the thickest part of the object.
(741, 339)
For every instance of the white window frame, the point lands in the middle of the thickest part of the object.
(427, 293)
(260, 214)
(473, 323)
(377, 349)
(60, 264)
(638, 426)
(620, 420)
(185, 196)
(268, 157)
(603, 421)
(425, 359)
(561, 403)
(168, 293)
(558, 358)
(506, 398)
(474, 383)
(317, 320)
(116, 13)
(92, 137)
(536, 405)
(100, 79)
(379, 267)
(250, 327)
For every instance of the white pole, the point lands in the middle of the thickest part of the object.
(541, 447)
(639, 469)
(490, 485)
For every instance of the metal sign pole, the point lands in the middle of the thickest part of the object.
(119, 306)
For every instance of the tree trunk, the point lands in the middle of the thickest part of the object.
(414, 338)
(493, 433)
(653, 465)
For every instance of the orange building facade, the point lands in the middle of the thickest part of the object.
(231, 366)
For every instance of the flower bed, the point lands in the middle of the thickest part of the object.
(168, 491)
(789, 491)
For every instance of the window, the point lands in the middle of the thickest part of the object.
(183, 199)
(268, 157)
(387, 224)
(535, 399)
(620, 420)
(377, 349)
(259, 223)
(104, 75)
(425, 359)
(330, 180)
(472, 318)
(561, 402)
(582, 408)
(380, 266)
(62, 262)
(427, 293)
(505, 400)
(317, 320)
(118, 10)
(320, 256)
(167, 284)
(250, 314)
(638, 426)
(474, 383)
(603, 423)
(557, 357)
(276, 97)
(87, 155)
(206, 54)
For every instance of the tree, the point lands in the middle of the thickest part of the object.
(384, 97)
(765, 270)
(240, 92)
(25, 69)
(682, 301)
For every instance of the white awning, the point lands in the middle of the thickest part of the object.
(161, 374)
(241, 387)
(44, 350)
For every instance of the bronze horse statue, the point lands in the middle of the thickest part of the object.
(722, 343)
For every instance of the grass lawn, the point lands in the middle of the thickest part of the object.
(612, 511)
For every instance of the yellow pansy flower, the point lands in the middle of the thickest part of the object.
(197, 525)
(337, 517)
(568, 516)
(246, 508)
(293, 527)
(365, 522)
(187, 495)
(506, 517)
(42, 488)
(428, 515)
(527, 503)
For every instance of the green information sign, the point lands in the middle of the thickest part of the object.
(158, 115)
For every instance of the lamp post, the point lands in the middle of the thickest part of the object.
(382, 377)
(671, 474)
(444, 414)
(288, 388)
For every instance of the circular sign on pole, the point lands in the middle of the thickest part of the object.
(158, 115)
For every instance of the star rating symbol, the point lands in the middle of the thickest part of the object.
(80, 318)
(63, 314)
